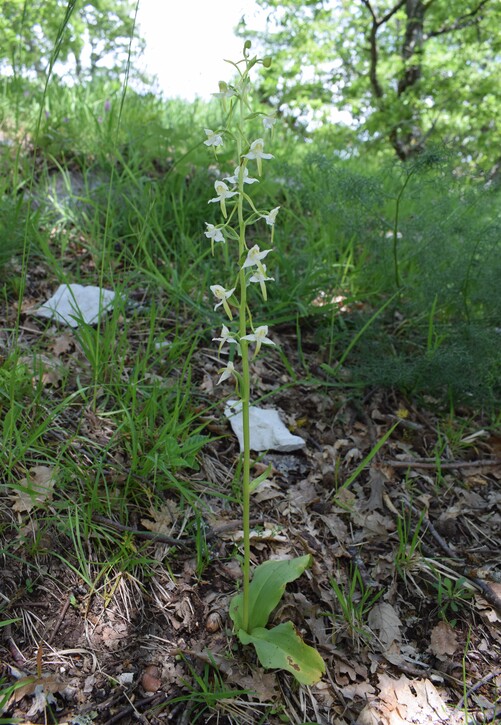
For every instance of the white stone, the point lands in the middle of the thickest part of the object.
(75, 303)
(267, 432)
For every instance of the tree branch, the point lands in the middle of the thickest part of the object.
(376, 24)
(463, 22)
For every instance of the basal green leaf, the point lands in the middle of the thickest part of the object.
(282, 648)
(266, 590)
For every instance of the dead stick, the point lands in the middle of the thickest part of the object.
(477, 686)
(148, 535)
(164, 538)
(447, 465)
(441, 541)
(487, 592)
(152, 700)
(59, 620)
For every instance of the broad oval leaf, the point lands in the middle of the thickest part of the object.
(282, 648)
(266, 590)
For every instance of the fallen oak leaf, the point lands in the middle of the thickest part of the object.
(443, 640)
(41, 688)
(385, 623)
(35, 490)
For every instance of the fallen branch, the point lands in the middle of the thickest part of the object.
(429, 464)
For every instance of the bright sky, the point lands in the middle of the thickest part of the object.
(187, 40)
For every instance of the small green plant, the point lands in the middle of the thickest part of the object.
(208, 693)
(366, 460)
(408, 556)
(452, 595)
(280, 647)
(355, 601)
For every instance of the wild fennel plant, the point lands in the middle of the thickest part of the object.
(280, 647)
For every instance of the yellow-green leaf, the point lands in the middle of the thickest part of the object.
(282, 648)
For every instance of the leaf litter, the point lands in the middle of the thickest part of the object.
(410, 534)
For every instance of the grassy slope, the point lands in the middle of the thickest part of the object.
(116, 414)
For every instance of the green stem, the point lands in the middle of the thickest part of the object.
(245, 388)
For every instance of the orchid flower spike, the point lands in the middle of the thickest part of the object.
(246, 178)
(271, 216)
(214, 234)
(254, 257)
(226, 337)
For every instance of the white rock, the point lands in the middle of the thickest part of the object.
(267, 432)
(73, 303)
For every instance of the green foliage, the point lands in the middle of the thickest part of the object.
(452, 596)
(355, 600)
(401, 74)
(282, 648)
(435, 232)
(268, 587)
(15, 221)
(33, 32)
(279, 647)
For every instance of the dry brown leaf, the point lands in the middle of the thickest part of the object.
(263, 684)
(163, 519)
(406, 701)
(443, 640)
(336, 527)
(266, 491)
(377, 480)
(487, 611)
(42, 688)
(47, 370)
(63, 343)
(363, 690)
(375, 526)
(385, 623)
(269, 533)
(36, 490)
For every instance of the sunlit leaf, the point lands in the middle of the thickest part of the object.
(266, 590)
(282, 648)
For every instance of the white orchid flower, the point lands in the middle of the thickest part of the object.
(256, 152)
(225, 91)
(227, 372)
(269, 122)
(260, 337)
(271, 216)
(214, 233)
(260, 277)
(226, 337)
(213, 138)
(222, 294)
(254, 257)
(234, 179)
(223, 193)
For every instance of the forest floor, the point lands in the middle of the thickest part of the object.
(403, 599)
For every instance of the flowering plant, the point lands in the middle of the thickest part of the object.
(279, 647)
